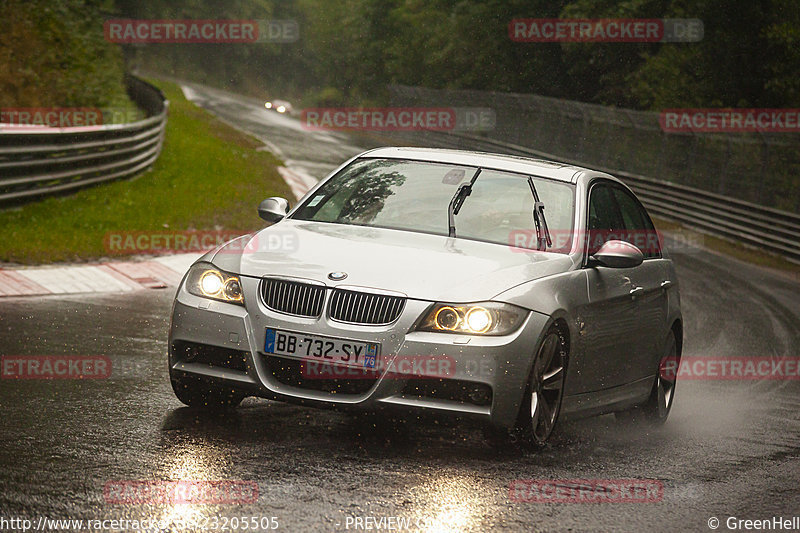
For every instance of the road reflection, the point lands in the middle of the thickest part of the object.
(195, 456)
(449, 504)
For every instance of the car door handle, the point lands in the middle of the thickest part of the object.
(637, 291)
(666, 284)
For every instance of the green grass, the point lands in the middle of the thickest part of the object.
(209, 176)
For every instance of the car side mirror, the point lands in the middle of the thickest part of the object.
(273, 209)
(617, 254)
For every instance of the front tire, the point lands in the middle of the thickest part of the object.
(541, 403)
(204, 395)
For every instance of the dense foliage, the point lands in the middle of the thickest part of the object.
(349, 50)
(53, 53)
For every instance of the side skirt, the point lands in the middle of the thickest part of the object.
(607, 400)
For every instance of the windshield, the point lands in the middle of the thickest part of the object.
(414, 196)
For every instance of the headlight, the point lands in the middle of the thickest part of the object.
(488, 318)
(207, 281)
(281, 109)
(268, 105)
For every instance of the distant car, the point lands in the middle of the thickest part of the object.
(280, 106)
(498, 287)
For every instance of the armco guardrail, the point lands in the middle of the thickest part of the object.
(756, 167)
(46, 161)
(750, 224)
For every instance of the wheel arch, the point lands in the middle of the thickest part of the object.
(561, 320)
(677, 329)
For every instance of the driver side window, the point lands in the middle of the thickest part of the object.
(605, 221)
(639, 229)
(614, 214)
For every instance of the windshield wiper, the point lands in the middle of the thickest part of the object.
(464, 190)
(542, 232)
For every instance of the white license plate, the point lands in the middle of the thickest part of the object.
(318, 348)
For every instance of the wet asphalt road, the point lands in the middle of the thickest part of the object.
(730, 448)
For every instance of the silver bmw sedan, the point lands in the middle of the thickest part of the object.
(509, 289)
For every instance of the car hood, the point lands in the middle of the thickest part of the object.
(422, 266)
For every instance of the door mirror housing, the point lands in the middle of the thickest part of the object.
(273, 209)
(617, 254)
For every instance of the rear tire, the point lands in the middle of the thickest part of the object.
(204, 395)
(657, 407)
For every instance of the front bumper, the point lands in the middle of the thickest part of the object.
(498, 366)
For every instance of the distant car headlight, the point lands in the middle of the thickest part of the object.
(281, 109)
(268, 105)
(487, 318)
(207, 281)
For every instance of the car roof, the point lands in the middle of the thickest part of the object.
(510, 163)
